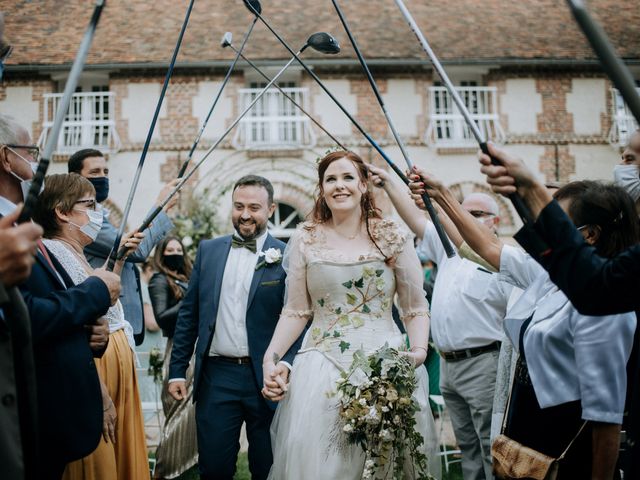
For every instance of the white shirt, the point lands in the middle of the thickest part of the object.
(469, 302)
(230, 336)
(584, 357)
(7, 207)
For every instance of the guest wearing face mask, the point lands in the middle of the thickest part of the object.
(178, 450)
(627, 173)
(72, 219)
(92, 165)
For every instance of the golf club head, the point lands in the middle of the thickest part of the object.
(227, 40)
(324, 43)
(253, 6)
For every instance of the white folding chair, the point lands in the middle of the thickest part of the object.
(450, 455)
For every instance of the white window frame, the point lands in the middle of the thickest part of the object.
(623, 123)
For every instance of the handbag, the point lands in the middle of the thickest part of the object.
(512, 460)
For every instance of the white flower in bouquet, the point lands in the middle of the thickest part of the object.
(347, 428)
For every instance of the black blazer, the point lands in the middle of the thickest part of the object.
(18, 413)
(165, 305)
(69, 398)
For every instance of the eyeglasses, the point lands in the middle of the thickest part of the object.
(481, 214)
(89, 202)
(32, 150)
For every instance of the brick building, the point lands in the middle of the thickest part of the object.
(523, 68)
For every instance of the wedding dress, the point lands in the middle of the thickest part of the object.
(349, 295)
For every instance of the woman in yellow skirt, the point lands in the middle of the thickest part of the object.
(72, 219)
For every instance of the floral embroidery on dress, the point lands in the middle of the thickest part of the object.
(351, 313)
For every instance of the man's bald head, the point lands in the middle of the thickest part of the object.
(484, 208)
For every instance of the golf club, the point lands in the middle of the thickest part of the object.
(286, 95)
(226, 39)
(613, 66)
(446, 244)
(61, 113)
(321, 42)
(116, 244)
(516, 200)
(372, 142)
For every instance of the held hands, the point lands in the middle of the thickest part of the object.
(178, 389)
(276, 381)
(19, 245)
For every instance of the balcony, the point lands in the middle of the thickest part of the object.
(89, 123)
(447, 128)
(274, 122)
(622, 122)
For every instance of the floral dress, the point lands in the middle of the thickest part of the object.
(349, 296)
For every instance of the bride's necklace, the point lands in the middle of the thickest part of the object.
(348, 237)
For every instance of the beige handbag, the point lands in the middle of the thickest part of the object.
(512, 460)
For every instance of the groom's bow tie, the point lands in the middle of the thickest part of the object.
(241, 243)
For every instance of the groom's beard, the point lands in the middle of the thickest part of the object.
(249, 229)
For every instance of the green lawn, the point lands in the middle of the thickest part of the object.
(243, 471)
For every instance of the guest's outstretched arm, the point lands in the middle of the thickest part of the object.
(480, 238)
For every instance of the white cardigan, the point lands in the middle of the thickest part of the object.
(570, 356)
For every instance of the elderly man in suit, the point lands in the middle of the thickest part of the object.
(68, 400)
(231, 308)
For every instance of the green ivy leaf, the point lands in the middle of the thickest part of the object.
(359, 283)
(357, 322)
(348, 284)
(344, 346)
(336, 334)
(379, 273)
(351, 299)
(366, 309)
(321, 302)
(343, 321)
(338, 311)
(315, 333)
(326, 334)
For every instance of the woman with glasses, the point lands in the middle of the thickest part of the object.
(569, 386)
(71, 219)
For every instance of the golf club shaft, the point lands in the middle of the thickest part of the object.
(184, 166)
(355, 123)
(183, 180)
(518, 203)
(613, 66)
(446, 244)
(61, 113)
(145, 149)
(290, 98)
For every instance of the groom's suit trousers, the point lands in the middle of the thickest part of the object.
(229, 396)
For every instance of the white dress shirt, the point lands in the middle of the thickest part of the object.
(469, 302)
(230, 336)
(569, 356)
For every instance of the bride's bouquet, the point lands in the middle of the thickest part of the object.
(377, 413)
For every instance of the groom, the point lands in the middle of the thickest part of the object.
(231, 308)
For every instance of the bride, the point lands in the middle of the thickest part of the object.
(326, 261)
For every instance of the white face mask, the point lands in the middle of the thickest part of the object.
(25, 185)
(92, 228)
(628, 177)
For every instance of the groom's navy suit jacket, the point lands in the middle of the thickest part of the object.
(197, 317)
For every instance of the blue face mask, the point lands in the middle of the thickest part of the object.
(101, 184)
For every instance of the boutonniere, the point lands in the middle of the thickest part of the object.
(271, 256)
